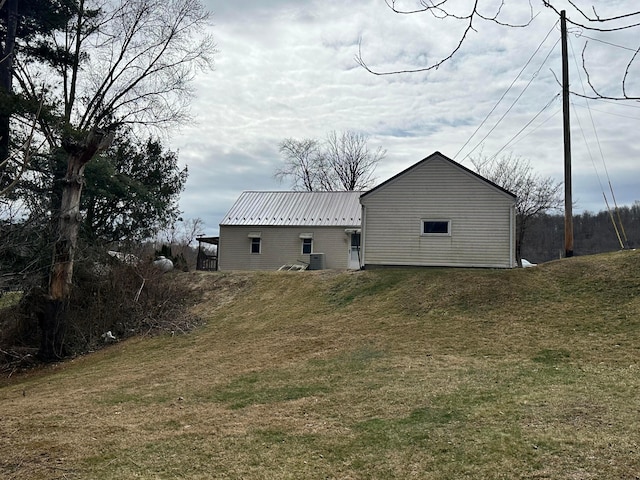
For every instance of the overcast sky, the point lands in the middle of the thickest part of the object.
(287, 69)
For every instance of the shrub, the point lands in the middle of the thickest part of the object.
(118, 298)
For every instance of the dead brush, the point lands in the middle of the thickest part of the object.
(121, 299)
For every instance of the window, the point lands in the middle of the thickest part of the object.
(255, 245)
(436, 227)
(307, 242)
(307, 246)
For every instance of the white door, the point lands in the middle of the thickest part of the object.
(354, 252)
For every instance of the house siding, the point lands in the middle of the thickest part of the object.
(279, 246)
(482, 219)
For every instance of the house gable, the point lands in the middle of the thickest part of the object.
(430, 159)
(438, 213)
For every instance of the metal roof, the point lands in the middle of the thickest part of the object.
(326, 209)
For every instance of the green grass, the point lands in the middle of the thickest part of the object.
(394, 374)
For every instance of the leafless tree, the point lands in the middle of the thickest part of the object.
(121, 62)
(466, 16)
(535, 193)
(349, 164)
(182, 233)
(301, 164)
(343, 162)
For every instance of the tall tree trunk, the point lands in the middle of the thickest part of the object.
(6, 73)
(52, 317)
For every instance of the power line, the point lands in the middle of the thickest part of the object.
(618, 103)
(513, 104)
(608, 113)
(604, 163)
(526, 125)
(533, 130)
(581, 35)
(505, 93)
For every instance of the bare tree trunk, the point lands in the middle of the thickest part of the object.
(52, 315)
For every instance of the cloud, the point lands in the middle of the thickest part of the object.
(288, 69)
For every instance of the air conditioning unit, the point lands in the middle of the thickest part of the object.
(316, 261)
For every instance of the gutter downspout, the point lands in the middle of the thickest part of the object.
(512, 235)
(363, 242)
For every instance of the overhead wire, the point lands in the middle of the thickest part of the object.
(557, 95)
(604, 163)
(608, 113)
(606, 201)
(604, 100)
(504, 94)
(513, 104)
(533, 130)
(582, 35)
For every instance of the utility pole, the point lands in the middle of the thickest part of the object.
(568, 204)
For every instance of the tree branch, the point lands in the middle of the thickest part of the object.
(439, 11)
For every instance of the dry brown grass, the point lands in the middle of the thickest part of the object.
(430, 374)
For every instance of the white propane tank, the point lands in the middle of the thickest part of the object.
(163, 263)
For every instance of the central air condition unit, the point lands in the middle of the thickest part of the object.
(316, 261)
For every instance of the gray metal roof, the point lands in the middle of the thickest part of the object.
(326, 209)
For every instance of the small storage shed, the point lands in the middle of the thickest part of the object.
(438, 213)
(266, 230)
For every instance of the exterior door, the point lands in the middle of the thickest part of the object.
(354, 252)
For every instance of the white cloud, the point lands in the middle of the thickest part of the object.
(287, 69)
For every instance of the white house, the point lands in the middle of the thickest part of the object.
(266, 230)
(438, 213)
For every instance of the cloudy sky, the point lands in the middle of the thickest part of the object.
(287, 69)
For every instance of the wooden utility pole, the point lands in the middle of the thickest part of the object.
(568, 203)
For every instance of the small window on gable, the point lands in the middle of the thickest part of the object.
(307, 246)
(436, 227)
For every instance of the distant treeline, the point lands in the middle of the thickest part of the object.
(593, 233)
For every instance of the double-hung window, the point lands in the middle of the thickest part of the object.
(307, 243)
(255, 245)
(256, 242)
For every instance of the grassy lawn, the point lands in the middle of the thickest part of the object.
(389, 374)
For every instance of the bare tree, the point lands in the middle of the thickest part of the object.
(343, 162)
(181, 233)
(465, 17)
(119, 62)
(535, 194)
(348, 161)
(301, 163)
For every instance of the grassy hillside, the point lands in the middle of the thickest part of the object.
(430, 374)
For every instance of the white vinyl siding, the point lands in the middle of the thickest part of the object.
(280, 246)
(481, 219)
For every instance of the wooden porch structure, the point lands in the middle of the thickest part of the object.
(206, 261)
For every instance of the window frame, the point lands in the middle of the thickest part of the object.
(307, 241)
(424, 233)
(255, 241)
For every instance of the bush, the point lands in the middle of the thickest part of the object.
(122, 299)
